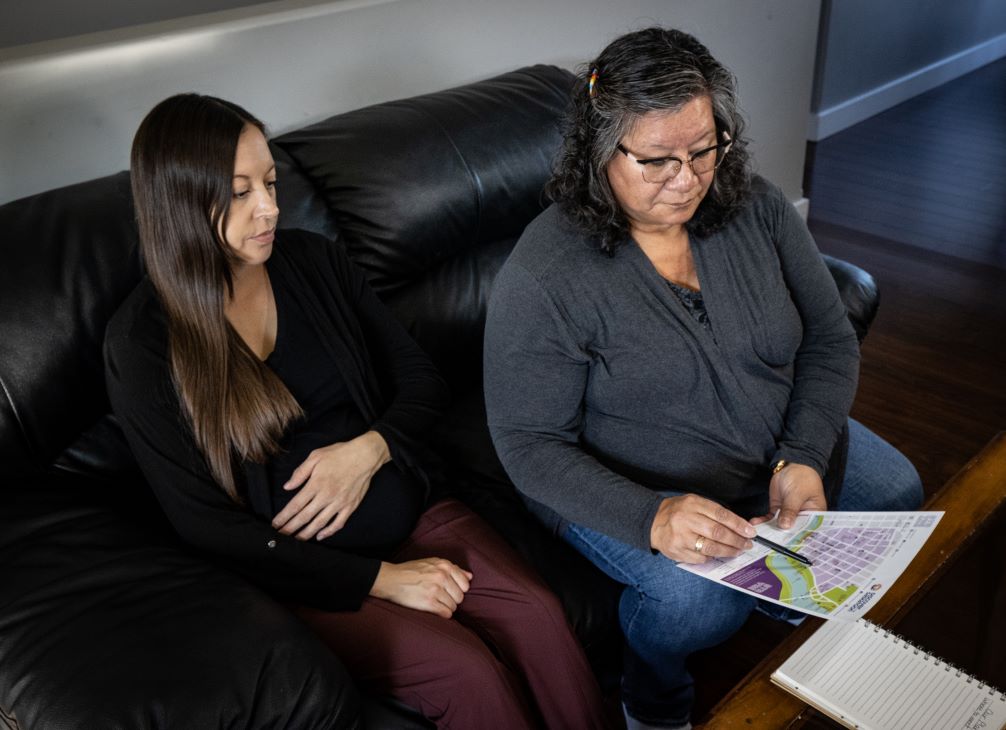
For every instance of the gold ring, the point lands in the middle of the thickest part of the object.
(699, 542)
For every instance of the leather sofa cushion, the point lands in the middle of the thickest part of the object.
(104, 622)
(69, 257)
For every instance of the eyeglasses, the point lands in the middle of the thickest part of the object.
(662, 169)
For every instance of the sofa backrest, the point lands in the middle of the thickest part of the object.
(430, 193)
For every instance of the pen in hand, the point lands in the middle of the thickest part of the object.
(780, 549)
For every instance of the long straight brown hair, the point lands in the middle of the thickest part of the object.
(182, 167)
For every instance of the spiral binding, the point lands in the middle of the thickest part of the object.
(938, 662)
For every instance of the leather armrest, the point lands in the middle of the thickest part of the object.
(858, 290)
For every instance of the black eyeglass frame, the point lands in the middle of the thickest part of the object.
(644, 161)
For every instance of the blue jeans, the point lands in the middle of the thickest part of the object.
(666, 613)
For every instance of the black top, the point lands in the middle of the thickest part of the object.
(393, 501)
(390, 379)
(691, 300)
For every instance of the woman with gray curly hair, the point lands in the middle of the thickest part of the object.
(668, 361)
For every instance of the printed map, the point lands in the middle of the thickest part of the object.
(856, 557)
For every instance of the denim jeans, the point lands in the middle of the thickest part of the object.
(666, 613)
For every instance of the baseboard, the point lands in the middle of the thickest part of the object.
(802, 207)
(834, 119)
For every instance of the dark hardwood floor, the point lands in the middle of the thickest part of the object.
(927, 173)
(917, 197)
(933, 372)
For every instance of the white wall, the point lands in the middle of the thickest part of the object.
(69, 107)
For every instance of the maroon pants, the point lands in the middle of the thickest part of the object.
(507, 659)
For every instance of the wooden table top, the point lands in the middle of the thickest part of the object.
(969, 499)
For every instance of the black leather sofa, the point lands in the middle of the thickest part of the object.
(106, 620)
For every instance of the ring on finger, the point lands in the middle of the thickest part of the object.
(699, 543)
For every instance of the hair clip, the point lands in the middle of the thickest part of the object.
(591, 91)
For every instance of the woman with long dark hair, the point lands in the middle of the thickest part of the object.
(277, 410)
(668, 361)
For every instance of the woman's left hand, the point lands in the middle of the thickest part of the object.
(332, 481)
(794, 488)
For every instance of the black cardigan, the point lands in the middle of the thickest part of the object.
(390, 378)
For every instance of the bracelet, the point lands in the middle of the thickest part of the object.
(779, 466)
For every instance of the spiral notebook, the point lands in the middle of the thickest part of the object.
(865, 677)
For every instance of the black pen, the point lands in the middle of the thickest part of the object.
(780, 549)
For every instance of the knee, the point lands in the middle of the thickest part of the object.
(904, 489)
(520, 598)
(684, 621)
(537, 616)
(722, 618)
(476, 671)
(542, 603)
(877, 475)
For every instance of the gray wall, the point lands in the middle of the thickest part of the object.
(70, 106)
(31, 21)
(873, 54)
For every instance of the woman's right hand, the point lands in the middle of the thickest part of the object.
(430, 584)
(685, 522)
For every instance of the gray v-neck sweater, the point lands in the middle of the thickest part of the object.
(601, 388)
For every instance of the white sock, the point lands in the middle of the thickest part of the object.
(632, 723)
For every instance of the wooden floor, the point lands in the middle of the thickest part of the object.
(927, 173)
(917, 197)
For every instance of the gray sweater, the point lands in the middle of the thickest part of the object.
(601, 389)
